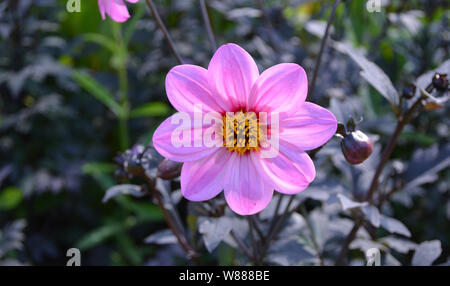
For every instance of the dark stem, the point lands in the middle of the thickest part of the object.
(179, 234)
(163, 29)
(242, 246)
(253, 241)
(275, 213)
(277, 227)
(207, 22)
(389, 148)
(255, 222)
(402, 121)
(350, 237)
(322, 46)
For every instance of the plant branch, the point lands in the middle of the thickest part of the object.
(253, 241)
(179, 234)
(322, 47)
(242, 246)
(402, 121)
(276, 229)
(207, 22)
(163, 29)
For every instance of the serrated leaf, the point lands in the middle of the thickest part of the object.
(426, 253)
(347, 203)
(374, 75)
(425, 164)
(398, 244)
(214, 230)
(289, 252)
(394, 226)
(372, 215)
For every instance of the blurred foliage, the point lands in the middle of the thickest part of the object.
(75, 90)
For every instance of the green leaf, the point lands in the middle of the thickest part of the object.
(150, 109)
(98, 91)
(103, 41)
(108, 230)
(420, 138)
(10, 198)
(98, 167)
(144, 211)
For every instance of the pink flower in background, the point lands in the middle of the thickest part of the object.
(116, 9)
(232, 83)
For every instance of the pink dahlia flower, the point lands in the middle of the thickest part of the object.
(232, 83)
(116, 9)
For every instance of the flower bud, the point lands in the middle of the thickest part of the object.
(409, 91)
(168, 169)
(440, 81)
(356, 147)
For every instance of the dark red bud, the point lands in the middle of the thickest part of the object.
(409, 91)
(168, 169)
(440, 81)
(356, 147)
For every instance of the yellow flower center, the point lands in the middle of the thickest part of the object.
(241, 132)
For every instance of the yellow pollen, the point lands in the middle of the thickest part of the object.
(241, 132)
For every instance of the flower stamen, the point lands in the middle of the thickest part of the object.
(241, 132)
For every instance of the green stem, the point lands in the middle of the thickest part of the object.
(122, 74)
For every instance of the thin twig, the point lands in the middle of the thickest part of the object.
(163, 29)
(390, 147)
(253, 241)
(207, 22)
(275, 213)
(242, 246)
(322, 46)
(313, 236)
(257, 228)
(179, 234)
(277, 227)
(348, 239)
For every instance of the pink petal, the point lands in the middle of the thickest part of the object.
(246, 193)
(310, 127)
(162, 141)
(290, 172)
(232, 72)
(133, 1)
(116, 9)
(187, 85)
(204, 179)
(281, 88)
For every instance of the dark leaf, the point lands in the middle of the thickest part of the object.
(426, 253)
(126, 189)
(372, 73)
(165, 236)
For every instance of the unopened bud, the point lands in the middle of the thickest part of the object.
(440, 81)
(356, 147)
(409, 91)
(168, 169)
